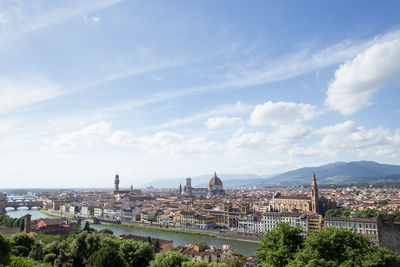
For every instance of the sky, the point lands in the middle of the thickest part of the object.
(171, 89)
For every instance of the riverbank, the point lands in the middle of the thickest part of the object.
(163, 229)
(51, 214)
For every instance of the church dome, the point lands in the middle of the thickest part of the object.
(215, 181)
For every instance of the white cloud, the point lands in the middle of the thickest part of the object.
(349, 139)
(278, 113)
(256, 140)
(96, 133)
(95, 19)
(22, 90)
(279, 140)
(357, 80)
(165, 143)
(216, 122)
(238, 108)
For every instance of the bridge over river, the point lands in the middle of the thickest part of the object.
(29, 203)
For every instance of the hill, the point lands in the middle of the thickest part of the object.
(340, 173)
(333, 173)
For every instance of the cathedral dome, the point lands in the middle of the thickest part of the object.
(215, 181)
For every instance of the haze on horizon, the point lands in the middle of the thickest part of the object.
(170, 89)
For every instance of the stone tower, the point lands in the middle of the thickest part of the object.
(116, 182)
(27, 223)
(314, 195)
(189, 186)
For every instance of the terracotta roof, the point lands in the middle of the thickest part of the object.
(294, 197)
(215, 181)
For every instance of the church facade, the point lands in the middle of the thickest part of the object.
(303, 204)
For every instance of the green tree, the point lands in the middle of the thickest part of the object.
(26, 262)
(136, 253)
(106, 257)
(202, 264)
(106, 231)
(50, 258)
(169, 259)
(5, 250)
(157, 247)
(279, 245)
(51, 248)
(87, 227)
(36, 251)
(20, 251)
(23, 239)
(341, 247)
(78, 251)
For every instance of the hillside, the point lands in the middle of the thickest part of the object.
(340, 173)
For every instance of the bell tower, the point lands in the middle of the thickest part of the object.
(314, 195)
(116, 182)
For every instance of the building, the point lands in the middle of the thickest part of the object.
(314, 222)
(271, 219)
(164, 245)
(365, 226)
(215, 186)
(47, 226)
(303, 204)
(201, 252)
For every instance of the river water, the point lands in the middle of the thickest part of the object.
(243, 247)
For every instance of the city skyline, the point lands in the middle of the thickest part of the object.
(155, 91)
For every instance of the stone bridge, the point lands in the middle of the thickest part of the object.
(18, 204)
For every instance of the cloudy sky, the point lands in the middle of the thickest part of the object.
(170, 89)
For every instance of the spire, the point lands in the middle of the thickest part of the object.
(215, 174)
(314, 194)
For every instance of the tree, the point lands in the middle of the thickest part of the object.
(341, 247)
(157, 246)
(20, 251)
(279, 245)
(87, 227)
(36, 252)
(106, 231)
(5, 250)
(23, 239)
(50, 258)
(136, 253)
(202, 264)
(169, 259)
(106, 257)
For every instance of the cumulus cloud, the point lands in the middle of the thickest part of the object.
(349, 139)
(92, 134)
(164, 142)
(357, 80)
(278, 113)
(278, 140)
(216, 122)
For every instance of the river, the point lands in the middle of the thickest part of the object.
(243, 247)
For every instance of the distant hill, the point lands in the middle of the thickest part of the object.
(340, 173)
(332, 173)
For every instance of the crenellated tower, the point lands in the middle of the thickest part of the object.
(116, 182)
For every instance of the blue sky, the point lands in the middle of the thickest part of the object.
(170, 89)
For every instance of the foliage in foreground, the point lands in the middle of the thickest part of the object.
(327, 247)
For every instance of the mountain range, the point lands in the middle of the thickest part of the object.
(353, 172)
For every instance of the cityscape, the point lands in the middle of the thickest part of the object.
(199, 133)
